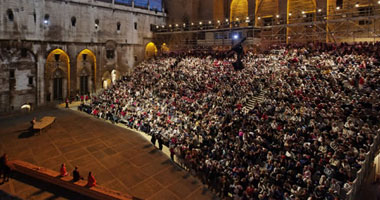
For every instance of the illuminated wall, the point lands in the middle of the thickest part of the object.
(239, 9)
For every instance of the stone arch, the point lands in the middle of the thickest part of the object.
(238, 9)
(150, 50)
(59, 60)
(86, 60)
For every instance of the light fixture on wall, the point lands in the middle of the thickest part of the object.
(46, 19)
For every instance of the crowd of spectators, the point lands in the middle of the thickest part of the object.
(306, 140)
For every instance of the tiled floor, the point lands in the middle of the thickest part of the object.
(120, 159)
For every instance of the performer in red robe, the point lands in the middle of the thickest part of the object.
(63, 170)
(91, 180)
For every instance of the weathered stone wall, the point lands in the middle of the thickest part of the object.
(115, 34)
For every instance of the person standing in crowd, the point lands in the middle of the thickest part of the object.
(159, 138)
(153, 139)
(67, 102)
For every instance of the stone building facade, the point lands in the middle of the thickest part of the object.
(51, 50)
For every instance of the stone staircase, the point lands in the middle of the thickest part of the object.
(256, 99)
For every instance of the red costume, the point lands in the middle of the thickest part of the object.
(91, 180)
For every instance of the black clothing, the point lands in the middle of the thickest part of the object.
(76, 175)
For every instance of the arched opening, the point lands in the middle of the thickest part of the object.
(73, 21)
(86, 72)
(57, 75)
(238, 10)
(106, 80)
(164, 48)
(10, 15)
(150, 50)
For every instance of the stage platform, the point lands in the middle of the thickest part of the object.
(120, 159)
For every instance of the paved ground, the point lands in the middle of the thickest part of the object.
(120, 159)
